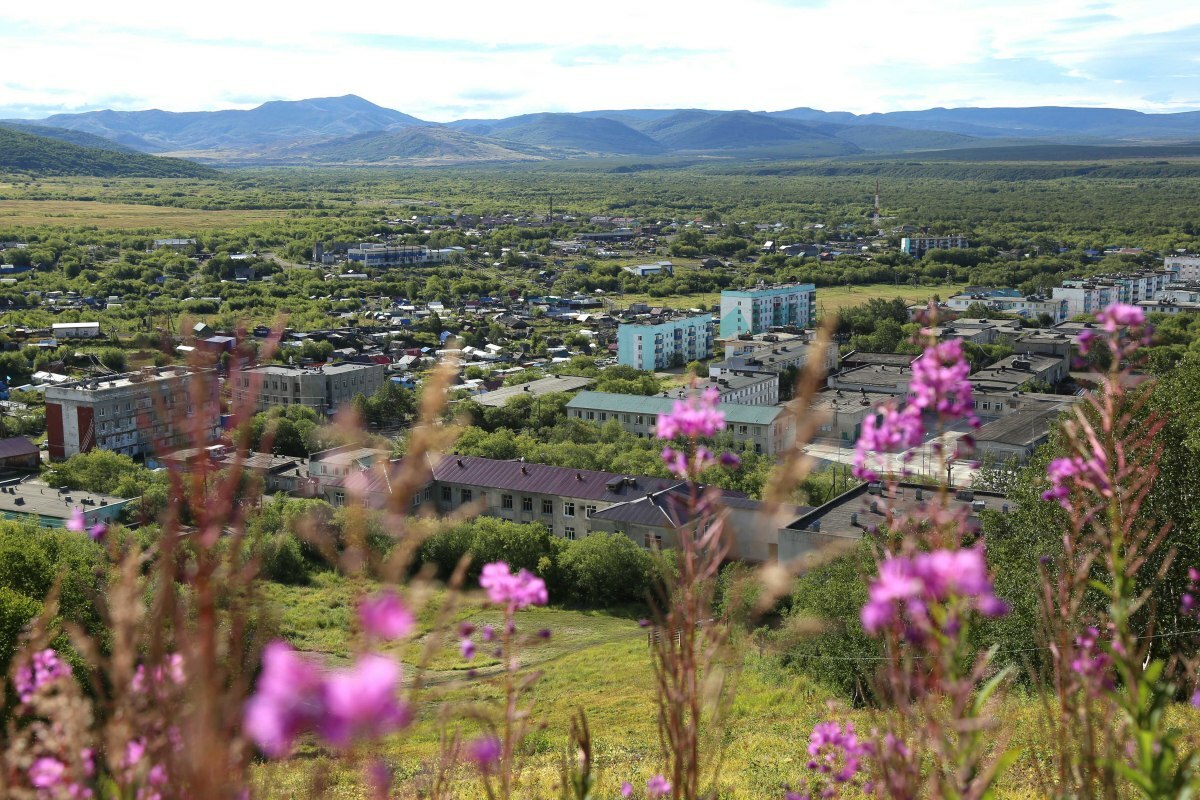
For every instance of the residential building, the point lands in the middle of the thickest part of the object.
(841, 413)
(658, 268)
(770, 356)
(278, 473)
(1057, 308)
(328, 471)
(759, 309)
(1085, 298)
(917, 246)
(75, 330)
(745, 387)
(1186, 268)
(767, 429)
(666, 342)
(174, 244)
(136, 413)
(323, 389)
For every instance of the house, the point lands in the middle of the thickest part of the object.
(658, 268)
(1017, 371)
(75, 330)
(17, 452)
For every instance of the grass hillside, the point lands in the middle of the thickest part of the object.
(414, 145)
(25, 152)
(600, 663)
(81, 138)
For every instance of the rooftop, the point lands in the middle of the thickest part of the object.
(565, 383)
(1025, 427)
(521, 476)
(125, 379)
(639, 404)
(20, 499)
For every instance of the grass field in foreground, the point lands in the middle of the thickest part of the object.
(600, 663)
(122, 216)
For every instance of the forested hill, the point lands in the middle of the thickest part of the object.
(25, 152)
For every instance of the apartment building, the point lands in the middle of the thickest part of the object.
(917, 246)
(747, 387)
(665, 343)
(770, 356)
(323, 389)
(759, 309)
(136, 413)
(767, 429)
(1085, 298)
(1010, 374)
(1024, 306)
(1185, 268)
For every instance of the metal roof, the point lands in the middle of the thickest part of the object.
(522, 476)
(566, 383)
(639, 404)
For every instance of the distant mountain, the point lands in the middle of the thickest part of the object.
(350, 129)
(572, 132)
(411, 146)
(41, 155)
(62, 134)
(740, 129)
(270, 123)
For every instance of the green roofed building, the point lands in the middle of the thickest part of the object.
(768, 429)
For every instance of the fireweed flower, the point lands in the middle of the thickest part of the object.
(834, 751)
(466, 648)
(1090, 663)
(514, 591)
(1121, 315)
(928, 579)
(360, 702)
(289, 700)
(886, 432)
(384, 616)
(658, 786)
(939, 382)
(626, 789)
(676, 461)
(693, 418)
(78, 524)
(1091, 473)
(485, 752)
(43, 669)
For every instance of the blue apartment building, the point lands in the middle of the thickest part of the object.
(666, 343)
(759, 309)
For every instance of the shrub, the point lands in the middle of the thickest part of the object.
(605, 569)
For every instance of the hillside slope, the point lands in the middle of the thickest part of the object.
(413, 145)
(24, 152)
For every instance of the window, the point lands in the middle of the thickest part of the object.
(568, 509)
(527, 504)
(653, 541)
(999, 406)
(446, 493)
(742, 429)
(569, 532)
(465, 495)
(547, 506)
(100, 412)
(549, 528)
(639, 419)
(339, 499)
(506, 501)
(603, 417)
(591, 415)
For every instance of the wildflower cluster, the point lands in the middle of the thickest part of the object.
(929, 586)
(44, 668)
(294, 696)
(696, 417)
(1078, 472)
(939, 387)
(1091, 664)
(78, 523)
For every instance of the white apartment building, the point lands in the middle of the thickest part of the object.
(1186, 268)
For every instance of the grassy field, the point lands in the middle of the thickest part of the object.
(599, 663)
(125, 217)
(829, 298)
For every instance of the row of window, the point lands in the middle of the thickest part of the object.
(506, 502)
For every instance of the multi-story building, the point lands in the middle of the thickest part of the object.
(767, 429)
(747, 387)
(1085, 298)
(1023, 306)
(917, 246)
(770, 356)
(1010, 374)
(759, 309)
(665, 343)
(382, 255)
(323, 389)
(136, 413)
(1185, 268)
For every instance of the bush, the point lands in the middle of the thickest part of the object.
(284, 562)
(605, 569)
(488, 539)
(25, 569)
(16, 610)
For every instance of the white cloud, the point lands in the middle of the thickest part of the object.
(492, 59)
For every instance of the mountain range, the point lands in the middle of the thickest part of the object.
(353, 131)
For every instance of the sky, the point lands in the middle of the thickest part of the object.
(442, 61)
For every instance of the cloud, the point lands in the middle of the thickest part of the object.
(487, 59)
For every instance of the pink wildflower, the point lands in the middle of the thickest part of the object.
(835, 751)
(384, 616)
(1121, 315)
(44, 668)
(360, 702)
(485, 752)
(886, 432)
(626, 789)
(1091, 474)
(467, 648)
(1090, 663)
(46, 773)
(514, 591)
(939, 381)
(658, 786)
(926, 579)
(676, 461)
(1084, 341)
(288, 701)
(693, 418)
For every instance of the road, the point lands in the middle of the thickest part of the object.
(923, 458)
